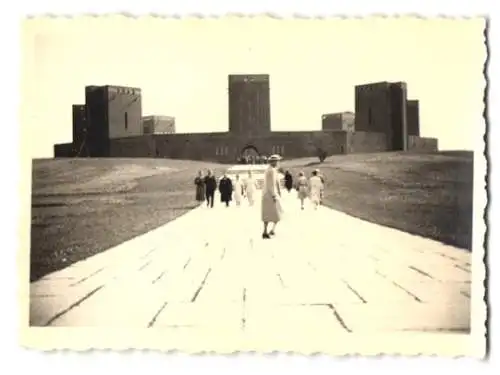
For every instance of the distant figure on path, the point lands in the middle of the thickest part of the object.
(250, 187)
(288, 181)
(200, 187)
(210, 187)
(226, 189)
(315, 188)
(238, 190)
(271, 205)
(302, 189)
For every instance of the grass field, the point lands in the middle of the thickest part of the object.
(81, 207)
(425, 194)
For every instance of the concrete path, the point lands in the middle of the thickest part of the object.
(324, 273)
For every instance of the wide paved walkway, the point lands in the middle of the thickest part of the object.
(324, 273)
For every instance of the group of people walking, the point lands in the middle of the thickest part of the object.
(272, 209)
(312, 187)
(206, 186)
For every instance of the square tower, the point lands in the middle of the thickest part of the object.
(413, 113)
(112, 112)
(372, 105)
(398, 116)
(249, 104)
(381, 108)
(338, 121)
(79, 129)
(158, 124)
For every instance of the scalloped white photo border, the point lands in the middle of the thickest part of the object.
(304, 9)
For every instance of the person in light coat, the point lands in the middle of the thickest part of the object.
(250, 188)
(238, 190)
(320, 175)
(271, 194)
(302, 188)
(315, 189)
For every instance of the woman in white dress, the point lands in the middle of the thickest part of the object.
(271, 194)
(250, 188)
(302, 189)
(316, 188)
(238, 190)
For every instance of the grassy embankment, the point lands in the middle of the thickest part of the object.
(425, 194)
(81, 207)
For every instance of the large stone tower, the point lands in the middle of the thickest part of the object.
(249, 105)
(413, 118)
(381, 108)
(112, 112)
(79, 130)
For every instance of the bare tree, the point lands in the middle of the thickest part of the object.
(319, 147)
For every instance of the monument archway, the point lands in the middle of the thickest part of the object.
(249, 152)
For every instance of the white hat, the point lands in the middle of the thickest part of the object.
(274, 157)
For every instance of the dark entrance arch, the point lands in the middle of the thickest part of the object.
(248, 152)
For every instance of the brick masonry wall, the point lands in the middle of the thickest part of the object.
(97, 140)
(348, 121)
(226, 148)
(165, 125)
(359, 142)
(124, 112)
(372, 108)
(381, 108)
(63, 150)
(338, 121)
(413, 117)
(302, 144)
(331, 121)
(139, 147)
(398, 139)
(223, 147)
(249, 104)
(421, 144)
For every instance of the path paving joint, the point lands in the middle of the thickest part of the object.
(324, 272)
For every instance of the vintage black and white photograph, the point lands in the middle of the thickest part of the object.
(255, 183)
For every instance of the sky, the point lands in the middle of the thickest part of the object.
(182, 65)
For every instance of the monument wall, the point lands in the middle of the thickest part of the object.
(124, 111)
(142, 146)
(79, 126)
(381, 108)
(112, 116)
(398, 134)
(226, 148)
(63, 150)
(158, 125)
(372, 108)
(97, 140)
(359, 142)
(422, 144)
(306, 143)
(413, 114)
(249, 104)
(338, 121)
(196, 146)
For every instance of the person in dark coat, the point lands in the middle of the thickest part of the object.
(226, 190)
(288, 181)
(210, 187)
(199, 182)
